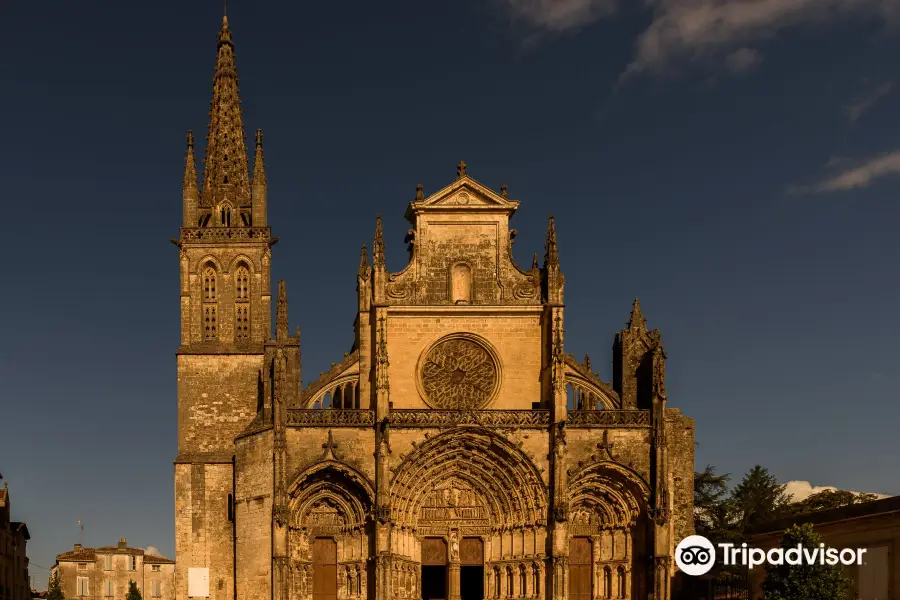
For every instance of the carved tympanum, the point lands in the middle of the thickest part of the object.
(459, 372)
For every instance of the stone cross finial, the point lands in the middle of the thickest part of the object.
(329, 446)
(461, 169)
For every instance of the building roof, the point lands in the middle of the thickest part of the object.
(20, 527)
(862, 510)
(90, 554)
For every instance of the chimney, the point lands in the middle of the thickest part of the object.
(123, 543)
(77, 547)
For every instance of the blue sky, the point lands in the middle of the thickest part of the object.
(732, 163)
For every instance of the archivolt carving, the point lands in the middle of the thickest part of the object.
(477, 468)
(606, 495)
(328, 498)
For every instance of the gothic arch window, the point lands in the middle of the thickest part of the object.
(510, 582)
(225, 215)
(497, 582)
(242, 303)
(535, 580)
(523, 581)
(621, 580)
(210, 304)
(461, 284)
(607, 582)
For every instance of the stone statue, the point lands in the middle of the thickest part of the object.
(454, 546)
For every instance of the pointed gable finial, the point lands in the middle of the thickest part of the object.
(378, 245)
(551, 254)
(281, 312)
(461, 169)
(259, 166)
(225, 170)
(190, 165)
(534, 261)
(636, 320)
(420, 194)
(504, 191)
(363, 271)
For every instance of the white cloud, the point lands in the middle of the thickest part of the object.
(694, 28)
(690, 29)
(866, 100)
(801, 490)
(858, 176)
(742, 59)
(153, 551)
(561, 15)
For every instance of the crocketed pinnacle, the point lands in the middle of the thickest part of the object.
(637, 319)
(363, 263)
(551, 254)
(259, 167)
(281, 312)
(225, 173)
(378, 245)
(587, 362)
(190, 165)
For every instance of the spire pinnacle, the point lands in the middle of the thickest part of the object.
(637, 319)
(225, 172)
(190, 165)
(378, 246)
(259, 167)
(534, 261)
(281, 312)
(587, 362)
(551, 254)
(363, 263)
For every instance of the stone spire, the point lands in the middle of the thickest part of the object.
(378, 246)
(190, 191)
(225, 174)
(551, 254)
(258, 189)
(363, 271)
(636, 320)
(281, 313)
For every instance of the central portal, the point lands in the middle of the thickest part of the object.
(434, 569)
(471, 576)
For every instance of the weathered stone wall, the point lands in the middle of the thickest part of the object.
(166, 578)
(681, 468)
(203, 534)
(514, 335)
(353, 445)
(121, 574)
(253, 501)
(217, 398)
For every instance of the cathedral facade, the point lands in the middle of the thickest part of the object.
(456, 452)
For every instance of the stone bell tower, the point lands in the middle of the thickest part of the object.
(225, 255)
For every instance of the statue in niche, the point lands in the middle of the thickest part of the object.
(454, 546)
(299, 545)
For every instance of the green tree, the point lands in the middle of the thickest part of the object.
(712, 506)
(133, 592)
(803, 581)
(828, 499)
(757, 498)
(54, 591)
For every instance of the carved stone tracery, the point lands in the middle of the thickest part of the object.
(459, 372)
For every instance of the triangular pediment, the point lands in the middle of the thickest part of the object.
(464, 194)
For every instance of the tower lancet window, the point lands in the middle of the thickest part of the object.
(210, 305)
(242, 303)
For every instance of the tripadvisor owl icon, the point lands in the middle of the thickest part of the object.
(695, 555)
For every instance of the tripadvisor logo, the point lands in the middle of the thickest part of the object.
(696, 555)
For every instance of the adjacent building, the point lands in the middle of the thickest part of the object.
(14, 581)
(457, 450)
(104, 573)
(874, 526)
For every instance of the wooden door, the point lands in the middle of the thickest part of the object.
(580, 569)
(324, 569)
